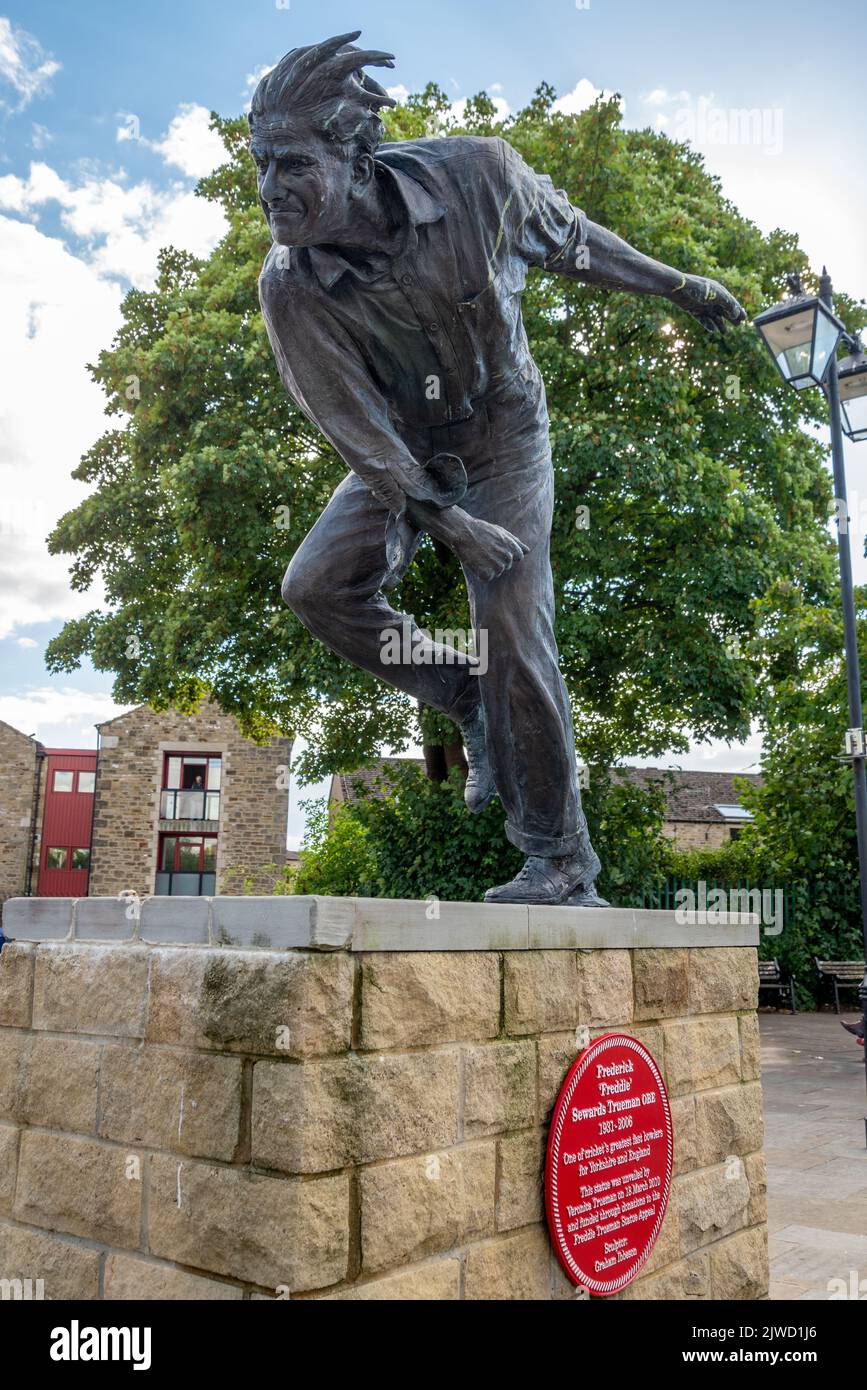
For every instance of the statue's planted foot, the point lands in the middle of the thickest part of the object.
(480, 788)
(553, 882)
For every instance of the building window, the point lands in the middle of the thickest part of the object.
(55, 858)
(63, 781)
(187, 865)
(86, 781)
(81, 859)
(191, 787)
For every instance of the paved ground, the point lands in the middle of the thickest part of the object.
(815, 1103)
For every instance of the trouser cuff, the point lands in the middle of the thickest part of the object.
(553, 846)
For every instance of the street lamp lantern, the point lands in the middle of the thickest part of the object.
(801, 335)
(852, 380)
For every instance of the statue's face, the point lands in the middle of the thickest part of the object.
(305, 187)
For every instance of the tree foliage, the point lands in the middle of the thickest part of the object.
(414, 838)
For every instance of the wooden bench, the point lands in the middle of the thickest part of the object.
(771, 977)
(845, 974)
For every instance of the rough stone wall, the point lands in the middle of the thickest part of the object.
(253, 808)
(17, 797)
(693, 834)
(186, 1122)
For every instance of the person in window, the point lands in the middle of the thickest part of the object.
(391, 297)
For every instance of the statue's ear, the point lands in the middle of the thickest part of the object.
(362, 173)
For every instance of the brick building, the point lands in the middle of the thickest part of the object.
(167, 804)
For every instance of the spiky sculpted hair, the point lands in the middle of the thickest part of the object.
(324, 85)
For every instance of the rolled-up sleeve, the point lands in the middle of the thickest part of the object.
(325, 374)
(542, 225)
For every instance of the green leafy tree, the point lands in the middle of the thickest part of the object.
(686, 488)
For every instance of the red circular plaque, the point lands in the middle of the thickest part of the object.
(608, 1167)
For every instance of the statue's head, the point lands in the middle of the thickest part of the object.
(314, 128)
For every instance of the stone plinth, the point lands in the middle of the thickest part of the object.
(348, 1098)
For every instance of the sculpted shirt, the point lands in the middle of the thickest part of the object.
(369, 351)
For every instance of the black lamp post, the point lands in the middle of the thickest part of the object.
(802, 334)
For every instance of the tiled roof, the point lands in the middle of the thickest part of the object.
(690, 796)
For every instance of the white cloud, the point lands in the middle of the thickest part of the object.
(660, 97)
(24, 65)
(62, 715)
(123, 227)
(61, 307)
(189, 144)
(27, 642)
(582, 95)
(41, 136)
(399, 92)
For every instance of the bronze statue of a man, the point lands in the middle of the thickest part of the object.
(392, 299)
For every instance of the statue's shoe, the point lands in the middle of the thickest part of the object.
(480, 788)
(552, 882)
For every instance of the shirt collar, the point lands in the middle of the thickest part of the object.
(417, 205)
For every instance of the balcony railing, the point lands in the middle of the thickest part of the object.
(193, 804)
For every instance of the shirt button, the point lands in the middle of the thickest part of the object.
(433, 328)
(406, 279)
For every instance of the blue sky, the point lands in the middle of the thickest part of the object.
(84, 207)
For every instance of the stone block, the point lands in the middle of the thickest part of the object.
(166, 921)
(415, 998)
(739, 1265)
(69, 1272)
(14, 1049)
(129, 1277)
(60, 1090)
(104, 919)
(661, 983)
(251, 1227)
(557, 1052)
(38, 919)
(401, 924)
(540, 990)
(685, 1140)
(323, 1115)
(686, 1280)
(520, 1196)
(78, 1186)
(701, 1053)
(16, 984)
(711, 1202)
(499, 1087)
(439, 1281)
(605, 988)
(185, 1102)
(722, 981)
(91, 989)
(414, 1207)
(281, 922)
(728, 1122)
(757, 1177)
(8, 1168)
(510, 1268)
(751, 1047)
(267, 1003)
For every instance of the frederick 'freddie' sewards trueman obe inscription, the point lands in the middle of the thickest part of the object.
(609, 1162)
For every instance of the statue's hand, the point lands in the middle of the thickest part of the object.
(488, 550)
(709, 302)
